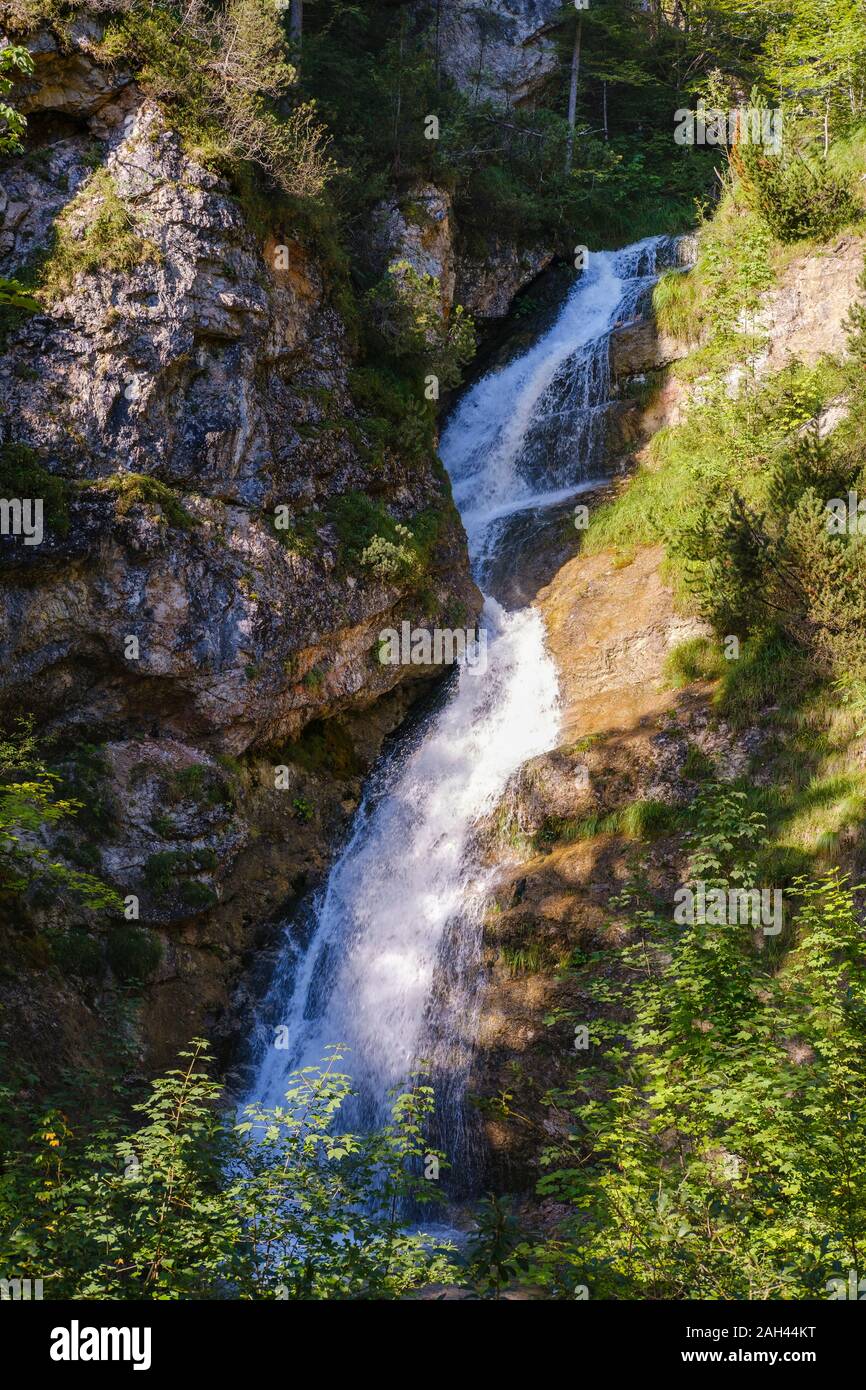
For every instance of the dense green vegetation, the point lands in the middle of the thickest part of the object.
(739, 491)
(29, 803)
(171, 1201)
(715, 1152)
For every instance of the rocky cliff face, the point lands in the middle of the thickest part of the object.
(217, 367)
(802, 319)
(502, 50)
(421, 229)
(198, 605)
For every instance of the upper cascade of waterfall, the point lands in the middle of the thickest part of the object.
(527, 432)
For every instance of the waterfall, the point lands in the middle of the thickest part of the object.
(389, 962)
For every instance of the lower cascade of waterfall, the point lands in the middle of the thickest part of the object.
(390, 965)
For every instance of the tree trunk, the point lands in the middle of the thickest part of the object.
(572, 97)
(604, 105)
(438, 43)
(398, 103)
(296, 21)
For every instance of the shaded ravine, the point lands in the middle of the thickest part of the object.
(388, 961)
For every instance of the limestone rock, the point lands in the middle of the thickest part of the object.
(220, 369)
(185, 379)
(487, 285)
(640, 347)
(417, 229)
(501, 50)
(69, 82)
(805, 314)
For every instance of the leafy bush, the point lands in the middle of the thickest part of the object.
(22, 476)
(197, 895)
(387, 548)
(392, 410)
(738, 493)
(183, 1203)
(13, 60)
(76, 952)
(408, 314)
(27, 809)
(141, 489)
(225, 74)
(201, 784)
(393, 558)
(133, 953)
(86, 770)
(797, 196)
(744, 1071)
(16, 296)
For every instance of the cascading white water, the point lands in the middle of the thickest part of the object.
(391, 965)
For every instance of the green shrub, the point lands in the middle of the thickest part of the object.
(22, 476)
(198, 895)
(28, 809)
(141, 489)
(168, 1198)
(407, 313)
(798, 196)
(75, 952)
(16, 296)
(14, 61)
(95, 233)
(372, 539)
(301, 535)
(133, 954)
(695, 1040)
(394, 415)
(87, 772)
(226, 77)
(392, 558)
